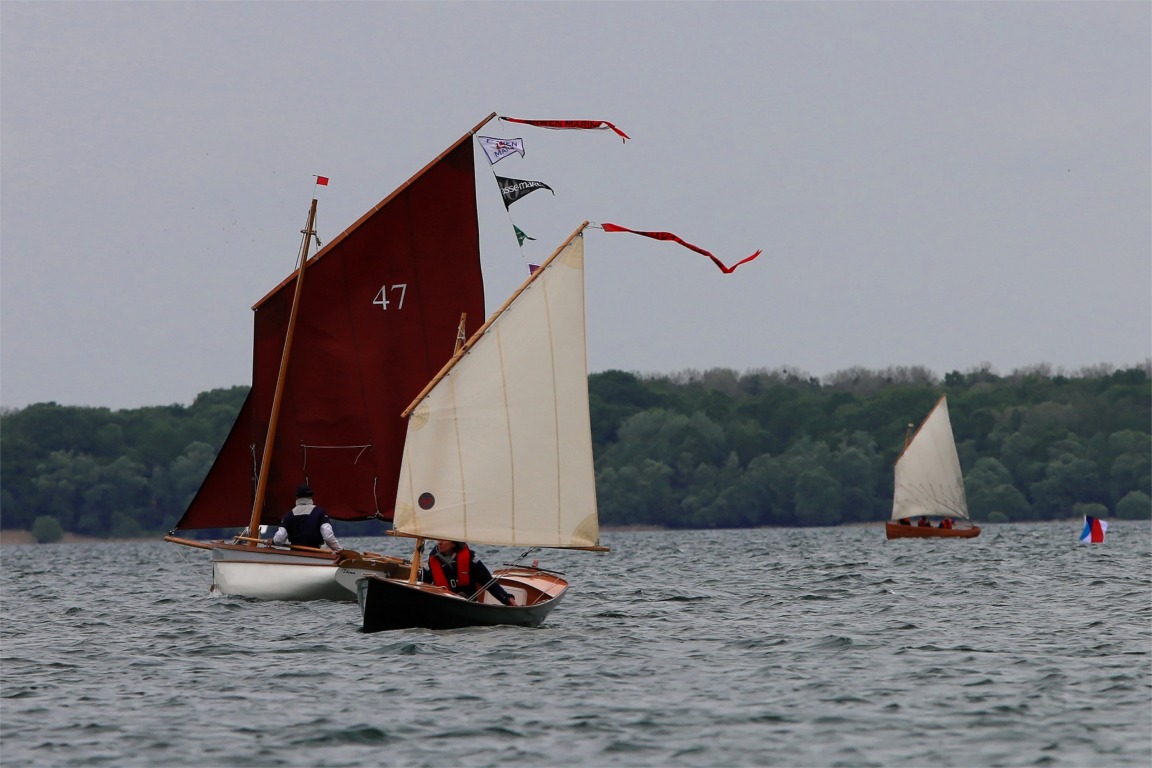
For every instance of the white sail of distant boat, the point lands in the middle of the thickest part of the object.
(929, 482)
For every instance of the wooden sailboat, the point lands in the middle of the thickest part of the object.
(339, 349)
(929, 484)
(499, 451)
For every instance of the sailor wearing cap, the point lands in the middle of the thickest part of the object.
(307, 524)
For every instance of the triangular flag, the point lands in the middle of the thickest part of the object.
(514, 189)
(498, 149)
(669, 236)
(520, 236)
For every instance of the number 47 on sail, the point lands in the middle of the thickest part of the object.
(381, 299)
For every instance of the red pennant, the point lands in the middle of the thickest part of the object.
(669, 236)
(570, 124)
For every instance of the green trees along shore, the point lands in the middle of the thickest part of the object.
(713, 449)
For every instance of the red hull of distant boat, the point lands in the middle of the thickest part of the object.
(897, 531)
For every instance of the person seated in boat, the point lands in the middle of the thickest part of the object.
(946, 523)
(307, 525)
(924, 522)
(905, 521)
(453, 565)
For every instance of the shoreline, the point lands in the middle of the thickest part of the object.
(13, 536)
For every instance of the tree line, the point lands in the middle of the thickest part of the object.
(694, 449)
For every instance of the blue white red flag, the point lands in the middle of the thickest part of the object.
(1094, 530)
(498, 149)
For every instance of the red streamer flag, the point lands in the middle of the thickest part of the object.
(322, 180)
(669, 236)
(570, 125)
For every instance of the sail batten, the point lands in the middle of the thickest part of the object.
(499, 451)
(928, 476)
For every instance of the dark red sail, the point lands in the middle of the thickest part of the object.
(378, 318)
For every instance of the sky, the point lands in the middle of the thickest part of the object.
(944, 185)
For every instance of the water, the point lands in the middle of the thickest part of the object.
(769, 647)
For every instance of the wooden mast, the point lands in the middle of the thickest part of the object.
(461, 337)
(274, 418)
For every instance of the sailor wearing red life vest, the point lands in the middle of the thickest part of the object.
(453, 565)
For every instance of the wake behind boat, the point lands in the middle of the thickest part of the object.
(499, 451)
(929, 484)
(339, 349)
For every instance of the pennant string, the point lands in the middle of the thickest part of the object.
(512, 190)
(669, 236)
(571, 125)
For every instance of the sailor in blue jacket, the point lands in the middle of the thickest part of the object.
(307, 524)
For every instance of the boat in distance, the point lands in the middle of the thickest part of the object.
(930, 484)
(898, 531)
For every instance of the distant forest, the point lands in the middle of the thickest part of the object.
(713, 449)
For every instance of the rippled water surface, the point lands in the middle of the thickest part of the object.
(815, 647)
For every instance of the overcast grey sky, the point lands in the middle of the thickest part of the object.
(933, 184)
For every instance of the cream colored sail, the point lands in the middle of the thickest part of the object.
(928, 477)
(500, 449)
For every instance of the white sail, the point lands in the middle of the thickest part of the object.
(928, 477)
(500, 450)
